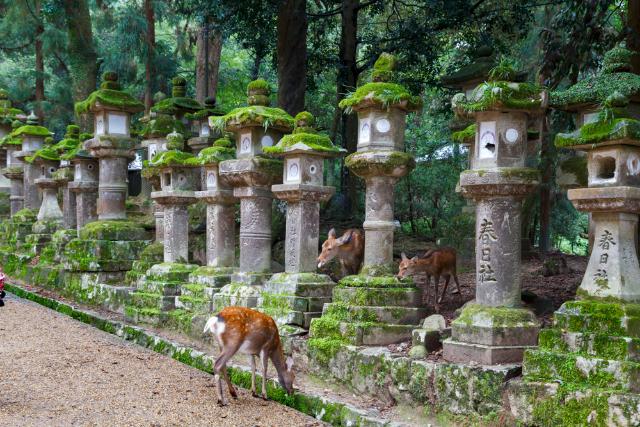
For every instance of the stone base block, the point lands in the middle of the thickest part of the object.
(34, 243)
(236, 293)
(389, 314)
(152, 300)
(194, 304)
(115, 230)
(170, 272)
(47, 226)
(597, 345)
(147, 316)
(102, 255)
(250, 279)
(462, 352)
(607, 318)
(212, 277)
(375, 334)
(99, 289)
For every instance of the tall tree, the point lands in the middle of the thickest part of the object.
(82, 55)
(149, 66)
(39, 58)
(633, 37)
(292, 55)
(208, 54)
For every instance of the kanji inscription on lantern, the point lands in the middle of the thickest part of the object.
(486, 273)
(606, 240)
(487, 235)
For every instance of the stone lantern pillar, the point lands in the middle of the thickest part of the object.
(65, 174)
(389, 309)
(8, 115)
(251, 175)
(33, 137)
(14, 170)
(495, 329)
(85, 187)
(590, 353)
(50, 218)
(112, 243)
(298, 295)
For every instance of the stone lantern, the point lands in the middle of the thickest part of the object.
(112, 243)
(389, 309)
(7, 116)
(200, 124)
(50, 218)
(590, 353)
(298, 295)
(14, 170)
(251, 176)
(33, 137)
(495, 329)
(84, 186)
(65, 173)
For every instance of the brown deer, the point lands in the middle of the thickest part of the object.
(436, 263)
(349, 248)
(253, 333)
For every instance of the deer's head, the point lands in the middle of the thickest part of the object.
(332, 246)
(408, 266)
(286, 376)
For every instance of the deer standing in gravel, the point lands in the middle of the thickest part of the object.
(349, 248)
(436, 263)
(253, 333)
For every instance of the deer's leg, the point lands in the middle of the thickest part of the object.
(222, 400)
(265, 366)
(437, 279)
(455, 279)
(253, 376)
(446, 285)
(220, 368)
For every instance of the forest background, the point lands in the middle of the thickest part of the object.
(315, 52)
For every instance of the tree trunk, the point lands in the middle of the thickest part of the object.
(208, 51)
(347, 81)
(39, 63)
(255, 70)
(633, 38)
(82, 55)
(292, 55)
(547, 155)
(149, 68)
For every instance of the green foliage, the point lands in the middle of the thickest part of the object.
(31, 130)
(465, 136)
(498, 94)
(111, 98)
(174, 158)
(215, 155)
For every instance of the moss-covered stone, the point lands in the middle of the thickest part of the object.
(216, 154)
(31, 130)
(111, 98)
(465, 136)
(112, 230)
(174, 158)
(379, 162)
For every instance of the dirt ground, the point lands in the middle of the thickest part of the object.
(57, 371)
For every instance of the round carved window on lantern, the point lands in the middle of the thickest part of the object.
(511, 135)
(313, 169)
(383, 125)
(52, 169)
(90, 167)
(266, 141)
(294, 171)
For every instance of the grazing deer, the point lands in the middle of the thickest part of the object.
(253, 333)
(349, 248)
(438, 262)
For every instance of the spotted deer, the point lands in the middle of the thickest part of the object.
(349, 248)
(436, 263)
(253, 333)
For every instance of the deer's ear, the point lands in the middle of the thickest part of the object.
(289, 363)
(415, 258)
(332, 233)
(403, 256)
(345, 238)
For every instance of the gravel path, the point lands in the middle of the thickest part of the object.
(56, 371)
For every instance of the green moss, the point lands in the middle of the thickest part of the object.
(387, 95)
(215, 155)
(112, 230)
(254, 115)
(307, 141)
(24, 215)
(385, 163)
(45, 153)
(600, 131)
(10, 140)
(495, 95)
(259, 85)
(177, 105)
(174, 158)
(111, 98)
(500, 316)
(31, 130)
(362, 281)
(465, 136)
(567, 409)
(577, 165)
(161, 125)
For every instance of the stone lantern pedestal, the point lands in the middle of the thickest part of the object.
(50, 217)
(32, 136)
(296, 296)
(251, 176)
(14, 173)
(375, 307)
(85, 187)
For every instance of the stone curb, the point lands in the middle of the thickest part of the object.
(335, 413)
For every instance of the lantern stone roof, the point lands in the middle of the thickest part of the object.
(70, 142)
(381, 92)
(500, 92)
(45, 153)
(31, 128)
(305, 140)
(9, 139)
(174, 156)
(613, 127)
(614, 76)
(257, 113)
(210, 109)
(179, 103)
(222, 149)
(109, 95)
(159, 125)
(7, 113)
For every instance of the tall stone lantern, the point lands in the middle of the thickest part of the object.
(84, 186)
(298, 295)
(200, 124)
(590, 354)
(33, 136)
(112, 243)
(65, 173)
(495, 329)
(14, 170)
(251, 176)
(390, 308)
(50, 217)
(7, 115)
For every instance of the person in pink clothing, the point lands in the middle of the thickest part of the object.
(2, 293)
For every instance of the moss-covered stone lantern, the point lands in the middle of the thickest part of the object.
(298, 295)
(14, 170)
(382, 107)
(111, 244)
(7, 115)
(84, 185)
(495, 329)
(32, 136)
(200, 124)
(50, 217)
(65, 173)
(591, 349)
(251, 176)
